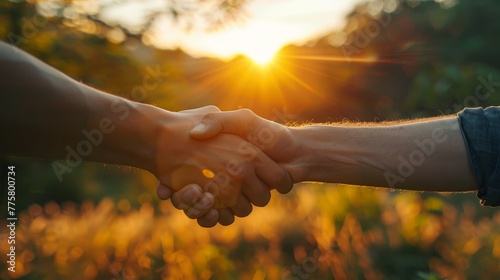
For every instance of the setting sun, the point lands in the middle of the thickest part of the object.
(260, 56)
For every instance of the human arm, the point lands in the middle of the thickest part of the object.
(43, 112)
(46, 114)
(421, 155)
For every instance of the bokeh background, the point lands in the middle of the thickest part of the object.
(391, 59)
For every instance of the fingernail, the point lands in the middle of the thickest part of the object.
(192, 194)
(199, 128)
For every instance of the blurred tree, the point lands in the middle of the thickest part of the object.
(206, 14)
(437, 52)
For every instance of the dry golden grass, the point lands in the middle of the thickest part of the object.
(317, 231)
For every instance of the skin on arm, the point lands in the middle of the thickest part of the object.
(420, 155)
(46, 114)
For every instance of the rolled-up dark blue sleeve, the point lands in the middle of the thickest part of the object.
(481, 131)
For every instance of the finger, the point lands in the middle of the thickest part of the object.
(226, 216)
(238, 122)
(272, 174)
(206, 202)
(202, 110)
(201, 207)
(256, 191)
(225, 189)
(243, 207)
(163, 191)
(187, 197)
(210, 219)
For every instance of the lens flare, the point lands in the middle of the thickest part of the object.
(261, 56)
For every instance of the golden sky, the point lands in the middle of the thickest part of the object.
(269, 25)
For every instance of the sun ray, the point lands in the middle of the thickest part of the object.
(328, 75)
(369, 59)
(297, 80)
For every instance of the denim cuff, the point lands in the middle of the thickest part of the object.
(481, 131)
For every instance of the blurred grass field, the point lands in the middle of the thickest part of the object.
(318, 231)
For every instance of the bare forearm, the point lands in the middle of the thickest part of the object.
(46, 114)
(425, 155)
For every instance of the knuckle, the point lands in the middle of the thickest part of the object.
(177, 203)
(180, 205)
(209, 116)
(212, 108)
(192, 213)
(246, 113)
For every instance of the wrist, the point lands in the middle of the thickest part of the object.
(337, 154)
(149, 122)
(308, 158)
(127, 132)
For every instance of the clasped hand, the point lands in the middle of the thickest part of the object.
(222, 163)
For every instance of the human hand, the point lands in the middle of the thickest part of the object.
(231, 172)
(275, 140)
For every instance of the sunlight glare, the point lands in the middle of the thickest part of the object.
(261, 56)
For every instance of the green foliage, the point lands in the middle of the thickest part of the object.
(457, 86)
(427, 58)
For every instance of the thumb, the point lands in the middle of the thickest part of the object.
(206, 129)
(163, 191)
(234, 122)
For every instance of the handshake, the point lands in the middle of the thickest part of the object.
(216, 165)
